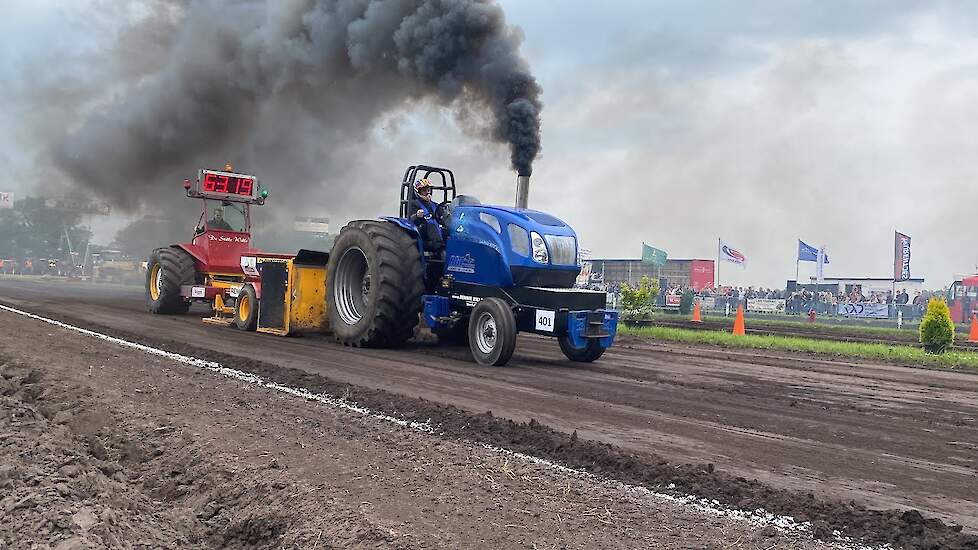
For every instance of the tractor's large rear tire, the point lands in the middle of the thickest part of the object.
(591, 351)
(168, 269)
(375, 285)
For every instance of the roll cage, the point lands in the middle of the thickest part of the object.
(445, 183)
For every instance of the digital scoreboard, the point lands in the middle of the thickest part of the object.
(226, 185)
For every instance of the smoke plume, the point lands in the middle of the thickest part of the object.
(301, 81)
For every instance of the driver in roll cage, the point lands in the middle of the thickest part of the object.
(428, 217)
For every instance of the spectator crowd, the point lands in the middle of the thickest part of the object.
(802, 301)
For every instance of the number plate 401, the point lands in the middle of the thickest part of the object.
(545, 320)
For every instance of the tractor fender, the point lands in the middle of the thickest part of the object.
(194, 251)
(410, 228)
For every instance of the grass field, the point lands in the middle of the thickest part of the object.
(904, 355)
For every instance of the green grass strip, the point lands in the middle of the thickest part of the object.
(827, 325)
(905, 355)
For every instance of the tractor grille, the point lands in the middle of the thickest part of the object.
(563, 250)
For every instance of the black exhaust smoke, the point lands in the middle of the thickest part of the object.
(252, 81)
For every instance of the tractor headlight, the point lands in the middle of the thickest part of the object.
(539, 248)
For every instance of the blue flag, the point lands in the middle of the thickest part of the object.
(807, 253)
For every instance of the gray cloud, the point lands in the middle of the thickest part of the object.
(762, 126)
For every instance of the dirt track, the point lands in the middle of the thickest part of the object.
(883, 436)
(105, 447)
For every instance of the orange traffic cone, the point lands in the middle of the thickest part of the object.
(973, 335)
(696, 313)
(739, 321)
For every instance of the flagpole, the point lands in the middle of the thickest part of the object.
(718, 263)
(797, 261)
(820, 267)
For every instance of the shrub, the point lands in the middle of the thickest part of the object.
(642, 297)
(686, 302)
(636, 303)
(936, 328)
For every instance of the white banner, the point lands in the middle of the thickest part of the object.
(311, 225)
(708, 302)
(765, 305)
(875, 311)
(6, 199)
(584, 277)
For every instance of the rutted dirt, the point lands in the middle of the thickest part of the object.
(101, 446)
(884, 437)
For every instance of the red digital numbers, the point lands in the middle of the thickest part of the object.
(210, 182)
(218, 183)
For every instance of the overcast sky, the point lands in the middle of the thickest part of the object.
(673, 123)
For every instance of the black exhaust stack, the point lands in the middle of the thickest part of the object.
(522, 190)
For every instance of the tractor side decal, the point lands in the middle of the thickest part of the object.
(461, 264)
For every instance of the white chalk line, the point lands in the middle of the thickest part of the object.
(249, 378)
(757, 518)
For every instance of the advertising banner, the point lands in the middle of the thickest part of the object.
(6, 199)
(708, 302)
(701, 274)
(584, 277)
(901, 256)
(672, 300)
(872, 311)
(765, 305)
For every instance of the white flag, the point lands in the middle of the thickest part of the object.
(820, 266)
(6, 199)
(731, 254)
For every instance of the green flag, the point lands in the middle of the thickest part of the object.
(654, 256)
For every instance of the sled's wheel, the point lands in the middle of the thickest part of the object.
(246, 309)
(167, 270)
(590, 352)
(492, 332)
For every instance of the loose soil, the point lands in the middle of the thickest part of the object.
(101, 446)
(828, 441)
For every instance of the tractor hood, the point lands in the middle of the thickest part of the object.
(542, 220)
(515, 246)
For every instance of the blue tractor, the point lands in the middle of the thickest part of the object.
(502, 271)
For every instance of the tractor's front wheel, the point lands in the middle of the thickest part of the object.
(375, 285)
(166, 271)
(492, 332)
(589, 353)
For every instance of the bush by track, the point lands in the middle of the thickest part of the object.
(908, 529)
